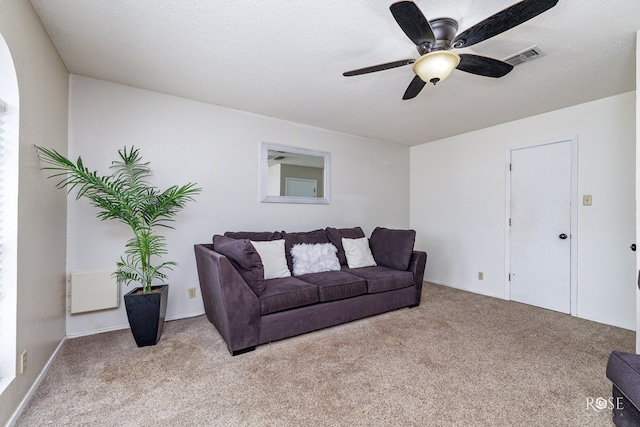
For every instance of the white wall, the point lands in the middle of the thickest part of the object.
(219, 149)
(458, 204)
(43, 89)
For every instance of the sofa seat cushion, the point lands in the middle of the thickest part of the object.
(335, 285)
(286, 293)
(381, 279)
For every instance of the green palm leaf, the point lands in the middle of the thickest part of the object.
(126, 196)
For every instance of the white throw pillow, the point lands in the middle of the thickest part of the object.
(314, 258)
(273, 259)
(358, 252)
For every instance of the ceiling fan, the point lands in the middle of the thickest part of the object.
(434, 40)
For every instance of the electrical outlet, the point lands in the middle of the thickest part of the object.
(23, 362)
(587, 200)
(192, 292)
(480, 275)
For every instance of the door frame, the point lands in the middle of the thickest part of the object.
(573, 140)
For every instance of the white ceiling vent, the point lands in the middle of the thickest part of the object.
(533, 52)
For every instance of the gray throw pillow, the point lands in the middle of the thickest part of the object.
(392, 248)
(244, 258)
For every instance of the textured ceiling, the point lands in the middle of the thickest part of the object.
(285, 59)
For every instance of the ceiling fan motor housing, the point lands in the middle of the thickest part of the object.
(444, 30)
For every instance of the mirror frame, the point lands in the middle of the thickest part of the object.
(264, 171)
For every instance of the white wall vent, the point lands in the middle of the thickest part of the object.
(93, 290)
(533, 52)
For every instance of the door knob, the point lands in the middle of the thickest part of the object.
(633, 247)
(563, 236)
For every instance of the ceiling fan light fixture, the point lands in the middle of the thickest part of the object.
(435, 66)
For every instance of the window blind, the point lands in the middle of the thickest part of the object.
(9, 164)
(3, 285)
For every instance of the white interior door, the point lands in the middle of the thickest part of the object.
(300, 187)
(540, 232)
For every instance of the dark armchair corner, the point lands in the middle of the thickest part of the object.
(623, 369)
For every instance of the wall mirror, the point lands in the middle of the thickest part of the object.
(294, 175)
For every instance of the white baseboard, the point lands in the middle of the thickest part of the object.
(617, 325)
(14, 418)
(98, 331)
(474, 290)
(126, 325)
(185, 315)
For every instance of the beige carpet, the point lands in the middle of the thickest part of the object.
(459, 359)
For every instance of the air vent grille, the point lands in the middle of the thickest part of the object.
(533, 52)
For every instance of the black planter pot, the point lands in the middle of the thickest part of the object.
(146, 313)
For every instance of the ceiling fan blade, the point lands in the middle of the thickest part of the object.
(503, 21)
(413, 22)
(414, 88)
(483, 66)
(379, 67)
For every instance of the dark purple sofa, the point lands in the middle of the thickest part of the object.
(623, 369)
(248, 310)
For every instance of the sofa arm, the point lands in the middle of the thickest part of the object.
(417, 265)
(229, 303)
(623, 369)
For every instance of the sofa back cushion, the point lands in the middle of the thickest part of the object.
(290, 239)
(257, 236)
(335, 236)
(244, 258)
(392, 248)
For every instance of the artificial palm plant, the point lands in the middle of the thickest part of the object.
(127, 196)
